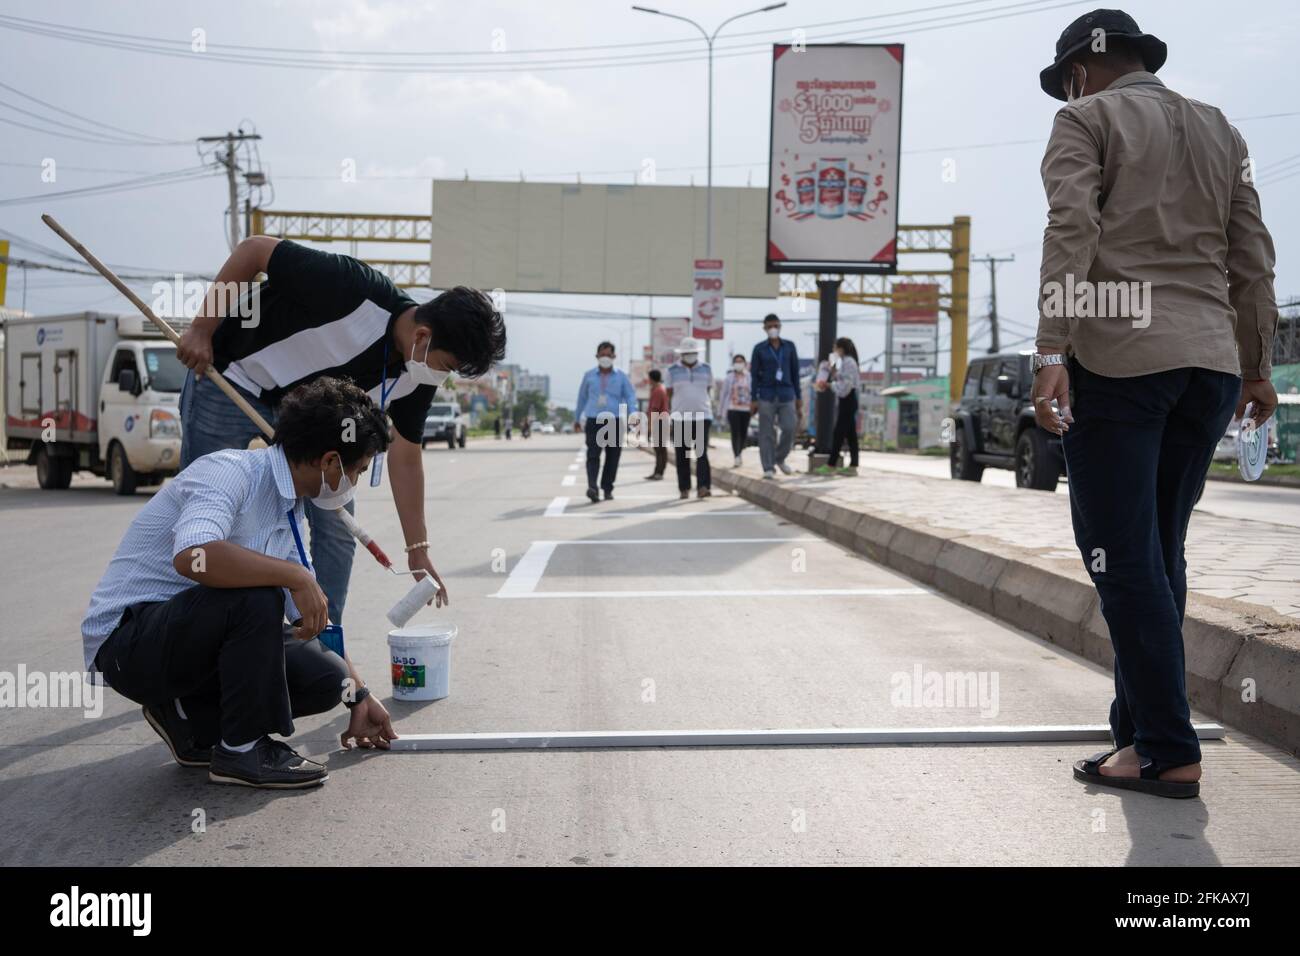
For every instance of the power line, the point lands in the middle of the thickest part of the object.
(156, 140)
(511, 66)
(186, 47)
(126, 185)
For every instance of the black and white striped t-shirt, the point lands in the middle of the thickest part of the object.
(322, 314)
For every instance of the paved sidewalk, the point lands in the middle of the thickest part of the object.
(1249, 561)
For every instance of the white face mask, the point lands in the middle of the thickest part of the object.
(690, 358)
(774, 332)
(332, 499)
(420, 372)
(1070, 95)
(605, 362)
(738, 366)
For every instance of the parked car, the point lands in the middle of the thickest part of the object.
(547, 429)
(994, 426)
(445, 423)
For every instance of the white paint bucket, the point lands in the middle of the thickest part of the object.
(421, 659)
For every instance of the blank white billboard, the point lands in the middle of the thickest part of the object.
(597, 239)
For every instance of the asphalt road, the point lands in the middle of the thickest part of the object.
(642, 613)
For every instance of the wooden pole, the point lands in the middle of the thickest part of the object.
(166, 329)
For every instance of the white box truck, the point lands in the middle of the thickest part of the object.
(93, 392)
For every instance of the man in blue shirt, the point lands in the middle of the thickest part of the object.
(774, 372)
(605, 399)
(189, 620)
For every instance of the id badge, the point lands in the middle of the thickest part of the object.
(600, 400)
(780, 376)
(376, 469)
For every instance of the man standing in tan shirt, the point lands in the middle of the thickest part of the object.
(1156, 309)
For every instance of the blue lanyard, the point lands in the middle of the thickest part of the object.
(384, 388)
(297, 539)
(377, 463)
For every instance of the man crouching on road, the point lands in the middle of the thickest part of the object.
(189, 618)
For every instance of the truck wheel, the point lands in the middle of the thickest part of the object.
(120, 471)
(961, 465)
(461, 443)
(52, 473)
(1036, 464)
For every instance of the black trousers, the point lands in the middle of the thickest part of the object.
(689, 437)
(227, 655)
(846, 429)
(1137, 455)
(738, 421)
(604, 436)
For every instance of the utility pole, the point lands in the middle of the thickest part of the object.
(228, 160)
(993, 262)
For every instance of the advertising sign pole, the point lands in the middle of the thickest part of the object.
(827, 313)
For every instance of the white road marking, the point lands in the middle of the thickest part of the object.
(527, 574)
(556, 507)
(569, 480)
(528, 570)
(769, 592)
(600, 541)
(573, 467)
(675, 513)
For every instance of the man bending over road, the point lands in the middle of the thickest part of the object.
(189, 619)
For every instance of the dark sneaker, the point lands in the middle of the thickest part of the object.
(176, 734)
(705, 492)
(609, 496)
(272, 764)
(593, 494)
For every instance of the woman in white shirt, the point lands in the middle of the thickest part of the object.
(845, 380)
(734, 404)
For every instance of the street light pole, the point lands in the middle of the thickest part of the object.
(708, 190)
(708, 39)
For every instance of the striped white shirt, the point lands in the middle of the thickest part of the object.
(243, 497)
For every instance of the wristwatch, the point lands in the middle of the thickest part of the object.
(1037, 361)
(359, 695)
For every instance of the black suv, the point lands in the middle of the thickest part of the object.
(995, 427)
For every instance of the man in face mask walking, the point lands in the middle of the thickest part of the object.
(690, 384)
(316, 315)
(1157, 311)
(774, 383)
(605, 399)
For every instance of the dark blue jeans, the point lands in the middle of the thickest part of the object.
(1137, 456)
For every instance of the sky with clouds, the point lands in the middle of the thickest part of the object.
(970, 94)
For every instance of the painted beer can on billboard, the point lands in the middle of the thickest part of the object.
(833, 176)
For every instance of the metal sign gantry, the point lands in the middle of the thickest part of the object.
(951, 239)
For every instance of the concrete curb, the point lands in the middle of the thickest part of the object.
(1234, 650)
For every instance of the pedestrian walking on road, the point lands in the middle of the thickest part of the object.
(844, 381)
(605, 399)
(496, 428)
(774, 370)
(1146, 191)
(734, 405)
(690, 385)
(660, 424)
